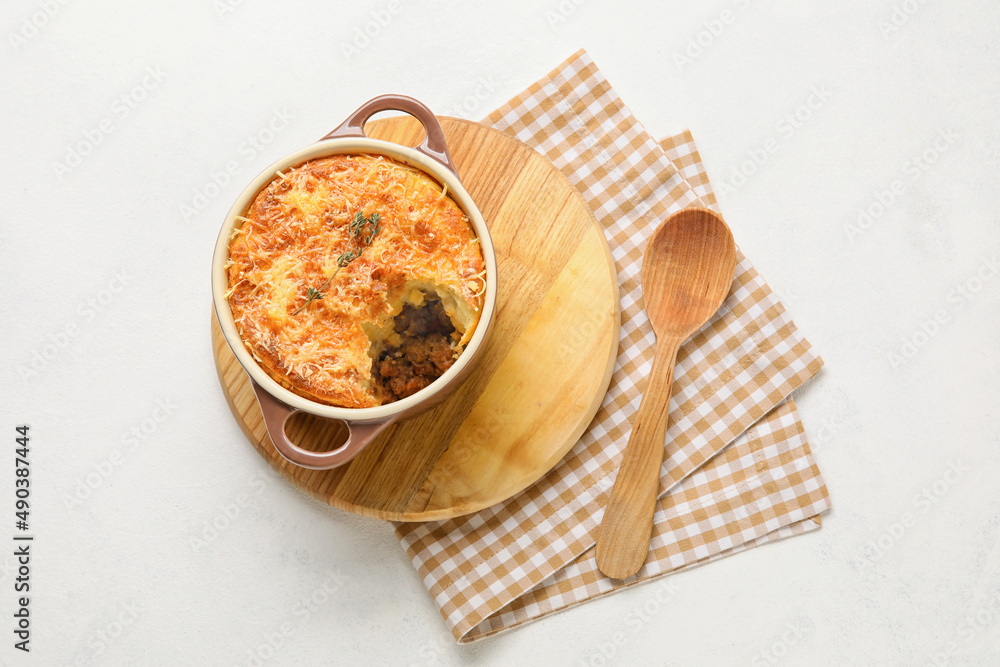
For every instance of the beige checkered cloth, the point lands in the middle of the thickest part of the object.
(738, 471)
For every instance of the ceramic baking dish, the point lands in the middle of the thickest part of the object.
(277, 403)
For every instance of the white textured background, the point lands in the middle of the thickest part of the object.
(133, 573)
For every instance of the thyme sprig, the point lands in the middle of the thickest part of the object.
(362, 230)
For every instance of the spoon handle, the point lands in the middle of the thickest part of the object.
(623, 543)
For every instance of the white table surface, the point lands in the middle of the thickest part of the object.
(105, 277)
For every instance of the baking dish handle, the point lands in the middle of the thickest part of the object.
(433, 145)
(276, 415)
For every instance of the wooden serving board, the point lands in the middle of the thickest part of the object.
(538, 384)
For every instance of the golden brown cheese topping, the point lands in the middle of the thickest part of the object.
(355, 347)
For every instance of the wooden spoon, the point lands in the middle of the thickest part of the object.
(687, 271)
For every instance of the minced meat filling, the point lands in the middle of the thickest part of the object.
(423, 355)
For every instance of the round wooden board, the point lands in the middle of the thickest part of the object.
(538, 384)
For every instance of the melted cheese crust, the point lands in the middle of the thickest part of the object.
(290, 240)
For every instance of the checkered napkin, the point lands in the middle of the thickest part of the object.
(737, 472)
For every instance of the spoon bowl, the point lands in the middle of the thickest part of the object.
(687, 271)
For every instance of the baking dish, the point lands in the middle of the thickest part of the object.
(278, 403)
